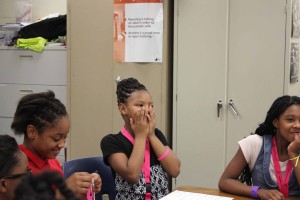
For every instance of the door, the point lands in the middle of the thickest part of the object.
(200, 79)
(224, 50)
(255, 64)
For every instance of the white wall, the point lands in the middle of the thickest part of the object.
(40, 8)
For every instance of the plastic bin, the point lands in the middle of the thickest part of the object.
(8, 32)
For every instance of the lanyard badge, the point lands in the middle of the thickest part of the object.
(91, 193)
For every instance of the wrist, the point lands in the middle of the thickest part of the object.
(151, 136)
(293, 153)
(164, 155)
(140, 138)
(254, 191)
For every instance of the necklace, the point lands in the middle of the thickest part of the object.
(146, 164)
(283, 183)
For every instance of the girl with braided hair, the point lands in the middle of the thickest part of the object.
(48, 185)
(268, 158)
(44, 122)
(139, 154)
(13, 166)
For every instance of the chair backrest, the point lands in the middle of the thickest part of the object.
(90, 165)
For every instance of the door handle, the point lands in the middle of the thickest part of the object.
(231, 105)
(219, 106)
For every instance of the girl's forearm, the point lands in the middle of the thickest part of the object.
(136, 160)
(166, 156)
(232, 186)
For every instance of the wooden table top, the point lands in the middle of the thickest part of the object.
(217, 192)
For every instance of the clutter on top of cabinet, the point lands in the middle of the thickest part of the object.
(23, 11)
(8, 32)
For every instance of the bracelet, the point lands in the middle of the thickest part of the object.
(295, 158)
(164, 155)
(253, 192)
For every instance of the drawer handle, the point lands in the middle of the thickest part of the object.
(26, 91)
(26, 56)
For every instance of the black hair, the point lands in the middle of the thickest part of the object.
(38, 109)
(127, 86)
(245, 176)
(42, 187)
(279, 106)
(9, 151)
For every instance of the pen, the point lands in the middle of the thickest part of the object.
(93, 186)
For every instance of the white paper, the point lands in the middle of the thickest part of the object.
(181, 195)
(138, 31)
(144, 42)
(23, 11)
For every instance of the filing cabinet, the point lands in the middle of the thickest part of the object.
(25, 71)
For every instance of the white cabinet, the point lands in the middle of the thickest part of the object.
(25, 71)
(29, 67)
(225, 51)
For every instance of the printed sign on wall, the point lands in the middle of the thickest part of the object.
(138, 30)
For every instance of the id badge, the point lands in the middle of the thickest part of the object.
(91, 194)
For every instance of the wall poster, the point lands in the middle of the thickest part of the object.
(294, 68)
(295, 19)
(138, 30)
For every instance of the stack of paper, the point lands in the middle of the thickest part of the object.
(180, 195)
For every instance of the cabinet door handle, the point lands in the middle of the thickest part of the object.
(231, 105)
(26, 56)
(26, 91)
(219, 106)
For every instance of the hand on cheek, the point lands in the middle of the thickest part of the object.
(139, 124)
(294, 147)
(151, 119)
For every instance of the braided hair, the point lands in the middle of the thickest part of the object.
(40, 110)
(245, 176)
(9, 152)
(127, 86)
(279, 106)
(43, 187)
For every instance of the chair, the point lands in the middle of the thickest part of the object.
(90, 165)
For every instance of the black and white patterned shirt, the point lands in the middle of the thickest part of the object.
(118, 143)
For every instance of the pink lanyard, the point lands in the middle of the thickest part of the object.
(283, 184)
(146, 164)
